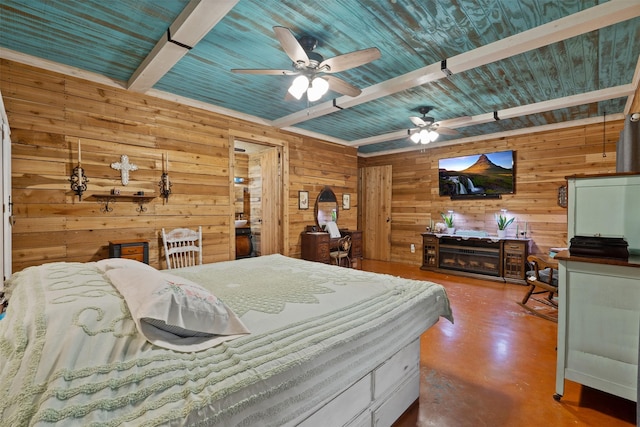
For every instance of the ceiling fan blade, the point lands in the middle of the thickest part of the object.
(417, 121)
(291, 45)
(264, 71)
(445, 131)
(349, 60)
(340, 86)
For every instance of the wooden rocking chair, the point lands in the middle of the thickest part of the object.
(542, 280)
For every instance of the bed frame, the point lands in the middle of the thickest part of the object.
(376, 400)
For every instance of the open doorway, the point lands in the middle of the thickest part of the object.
(258, 193)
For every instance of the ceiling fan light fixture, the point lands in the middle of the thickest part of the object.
(319, 87)
(424, 136)
(299, 86)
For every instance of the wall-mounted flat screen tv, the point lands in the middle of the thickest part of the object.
(487, 174)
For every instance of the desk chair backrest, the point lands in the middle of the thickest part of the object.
(341, 252)
(182, 247)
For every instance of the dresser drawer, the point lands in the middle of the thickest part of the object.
(131, 249)
(514, 246)
(323, 251)
(429, 239)
(137, 257)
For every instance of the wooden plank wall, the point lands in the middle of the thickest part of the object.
(543, 160)
(313, 164)
(48, 112)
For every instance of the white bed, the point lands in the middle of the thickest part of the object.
(329, 346)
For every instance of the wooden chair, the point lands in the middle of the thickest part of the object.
(342, 251)
(542, 280)
(182, 247)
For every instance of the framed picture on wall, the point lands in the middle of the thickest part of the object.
(346, 201)
(303, 200)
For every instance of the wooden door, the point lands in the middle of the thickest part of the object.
(271, 206)
(375, 211)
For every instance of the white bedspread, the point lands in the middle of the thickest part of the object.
(70, 353)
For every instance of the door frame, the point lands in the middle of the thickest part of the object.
(283, 211)
(5, 193)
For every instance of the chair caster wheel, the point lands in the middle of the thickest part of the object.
(557, 397)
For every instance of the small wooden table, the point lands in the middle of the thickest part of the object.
(131, 249)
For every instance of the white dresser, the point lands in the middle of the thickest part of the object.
(599, 298)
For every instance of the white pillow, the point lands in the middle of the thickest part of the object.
(112, 263)
(173, 312)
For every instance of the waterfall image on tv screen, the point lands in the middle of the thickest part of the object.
(480, 174)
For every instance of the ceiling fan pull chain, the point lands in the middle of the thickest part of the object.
(604, 120)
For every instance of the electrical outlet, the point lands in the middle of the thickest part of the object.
(413, 248)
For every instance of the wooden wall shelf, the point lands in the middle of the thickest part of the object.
(107, 199)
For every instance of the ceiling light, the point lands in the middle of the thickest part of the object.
(424, 136)
(319, 87)
(299, 86)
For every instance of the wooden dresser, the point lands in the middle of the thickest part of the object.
(131, 249)
(317, 245)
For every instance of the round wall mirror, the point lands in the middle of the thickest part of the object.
(326, 207)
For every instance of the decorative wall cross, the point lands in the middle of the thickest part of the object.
(124, 167)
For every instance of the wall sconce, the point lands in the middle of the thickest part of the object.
(78, 179)
(562, 196)
(165, 183)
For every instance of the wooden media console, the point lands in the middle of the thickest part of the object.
(489, 256)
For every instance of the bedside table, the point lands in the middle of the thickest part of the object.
(131, 249)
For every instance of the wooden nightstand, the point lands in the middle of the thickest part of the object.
(131, 249)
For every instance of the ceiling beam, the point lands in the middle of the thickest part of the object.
(497, 135)
(588, 20)
(191, 26)
(509, 113)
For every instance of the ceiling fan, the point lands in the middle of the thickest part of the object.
(311, 67)
(428, 129)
